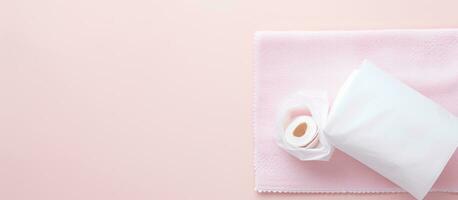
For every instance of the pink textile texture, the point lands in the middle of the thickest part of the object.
(286, 62)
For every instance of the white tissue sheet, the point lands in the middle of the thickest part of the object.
(393, 129)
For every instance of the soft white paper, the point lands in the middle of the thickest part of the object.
(393, 129)
(315, 102)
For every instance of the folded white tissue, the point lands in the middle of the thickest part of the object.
(381, 122)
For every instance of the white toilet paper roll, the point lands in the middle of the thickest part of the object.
(302, 132)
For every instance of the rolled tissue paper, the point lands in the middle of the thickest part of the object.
(299, 120)
(393, 129)
(302, 132)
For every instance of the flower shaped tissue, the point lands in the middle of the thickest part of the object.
(301, 119)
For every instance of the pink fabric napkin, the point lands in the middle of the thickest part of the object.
(287, 62)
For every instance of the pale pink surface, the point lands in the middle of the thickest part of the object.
(91, 92)
(289, 62)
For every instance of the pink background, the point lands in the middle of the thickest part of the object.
(150, 99)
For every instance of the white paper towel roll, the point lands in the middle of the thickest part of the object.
(302, 132)
(312, 104)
